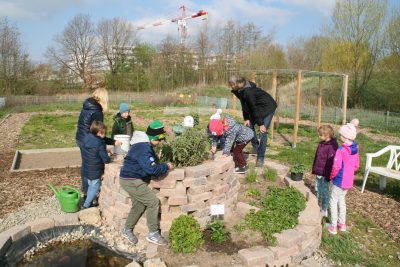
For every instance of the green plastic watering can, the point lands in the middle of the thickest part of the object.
(68, 196)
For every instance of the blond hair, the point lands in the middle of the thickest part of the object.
(101, 96)
(326, 129)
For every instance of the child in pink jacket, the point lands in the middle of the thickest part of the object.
(346, 162)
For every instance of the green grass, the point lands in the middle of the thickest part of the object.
(253, 192)
(251, 175)
(270, 174)
(364, 244)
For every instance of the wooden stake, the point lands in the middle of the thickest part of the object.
(274, 83)
(344, 105)
(297, 111)
(234, 104)
(319, 103)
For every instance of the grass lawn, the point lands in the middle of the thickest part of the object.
(364, 244)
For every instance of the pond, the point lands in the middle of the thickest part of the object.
(82, 253)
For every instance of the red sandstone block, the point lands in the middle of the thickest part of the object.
(203, 222)
(193, 207)
(119, 213)
(125, 208)
(118, 197)
(163, 183)
(66, 219)
(175, 175)
(217, 199)
(105, 190)
(289, 238)
(202, 213)
(199, 197)
(41, 224)
(177, 200)
(215, 177)
(243, 209)
(280, 168)
(310, 215)
(283, 252)
(256, 256)
(310, 242)
(169, 217)
(165, 226)
(189, 182)
(15, 233)
(309, 230)
(210, 186)
(281, 262)
(220, 190)
(164, 208)
(219, 166)
(197, 171)
(195, 190)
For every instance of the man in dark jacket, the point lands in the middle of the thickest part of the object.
(258, 109)
(139, 166)
(94, 156)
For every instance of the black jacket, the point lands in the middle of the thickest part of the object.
(122, 126)
(256, 103)
(94, 156)
(91, 111)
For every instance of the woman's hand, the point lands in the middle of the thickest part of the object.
(263, 129)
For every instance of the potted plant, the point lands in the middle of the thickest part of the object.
(296, 172)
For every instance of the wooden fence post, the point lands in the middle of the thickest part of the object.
(319, 103)
(297, 111)
(344, 105)
(274, 83)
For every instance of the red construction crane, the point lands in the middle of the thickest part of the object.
(181, 22)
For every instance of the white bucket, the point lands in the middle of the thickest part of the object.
(124, 148)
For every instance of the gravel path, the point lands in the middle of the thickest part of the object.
(47, 208)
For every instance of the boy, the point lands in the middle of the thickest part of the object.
(94, 156)
(239, 135)
(139, 165)
(122, 121)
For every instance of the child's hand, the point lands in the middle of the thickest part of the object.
(170, 166)
(213, 149)
(118, 143)
(110, 150)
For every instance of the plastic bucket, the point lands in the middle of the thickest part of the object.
(124, 148)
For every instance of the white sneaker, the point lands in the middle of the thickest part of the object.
(323, 213)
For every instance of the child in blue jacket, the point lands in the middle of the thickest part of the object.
(139, 166)
(94, 156)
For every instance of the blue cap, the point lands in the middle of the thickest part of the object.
(124, 107)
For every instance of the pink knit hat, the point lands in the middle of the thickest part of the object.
(349, 130)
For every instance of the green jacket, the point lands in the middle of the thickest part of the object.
(122, 126)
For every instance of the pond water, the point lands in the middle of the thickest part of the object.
(83, 253)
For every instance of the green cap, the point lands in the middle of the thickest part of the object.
(156, 131)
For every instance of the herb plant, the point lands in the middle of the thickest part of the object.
(185, 234)
(270, 174)
(251, 175)
(298, 168)
(218, 232)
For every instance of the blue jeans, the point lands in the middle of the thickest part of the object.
(84, 183)
(323, 194)
(94, 187)
(262, 147)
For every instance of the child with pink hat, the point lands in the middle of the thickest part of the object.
(346, 162)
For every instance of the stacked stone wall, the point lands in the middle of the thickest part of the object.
(190, 190)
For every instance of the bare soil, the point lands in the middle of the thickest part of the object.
(49, 159)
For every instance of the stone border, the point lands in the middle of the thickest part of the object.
(293, 245)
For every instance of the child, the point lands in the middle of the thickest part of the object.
(322, 166)
(346, 162)
(239, 135)
(122, 121)
(139, 165)
(94, 156)
(217, 137)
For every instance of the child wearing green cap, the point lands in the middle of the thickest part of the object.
(122, 121)
(139, 166)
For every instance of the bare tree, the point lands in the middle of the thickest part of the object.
(14, 62)
(203, 47)
(116, 38)
(357, 28)
(75, 48)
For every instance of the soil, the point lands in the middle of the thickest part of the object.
(49, 159)
(227, 247)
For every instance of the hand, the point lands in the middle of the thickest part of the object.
(213, 149)
(247, 123)
(170, 166)
(263, 129)
(110, 150)
(118, 143)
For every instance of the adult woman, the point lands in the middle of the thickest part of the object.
(92, 110)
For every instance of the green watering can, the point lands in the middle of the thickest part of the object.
(68, 196)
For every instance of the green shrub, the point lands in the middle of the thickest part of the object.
(280, 211)
(189, 149)
(196, 118)
(251, 175)
(185, 234)
(218, 232)
(253, 192)
(270, 174)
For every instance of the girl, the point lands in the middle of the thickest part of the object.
(346, 162)
(322, 166)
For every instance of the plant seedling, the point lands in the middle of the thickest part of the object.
(218, 232)
(270, 174)
(298, 168)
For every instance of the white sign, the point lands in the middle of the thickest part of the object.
(218, 209)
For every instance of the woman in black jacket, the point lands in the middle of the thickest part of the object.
(92, 110)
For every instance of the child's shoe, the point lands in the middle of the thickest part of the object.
(323, 213)
(342, 227)
(242, 169)
(332, 229)
(156, 238)
(128, 234)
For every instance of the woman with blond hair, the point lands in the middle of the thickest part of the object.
(92, 110)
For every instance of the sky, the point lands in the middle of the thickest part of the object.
(39, 21)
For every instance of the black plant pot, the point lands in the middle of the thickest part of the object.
(296, 176)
